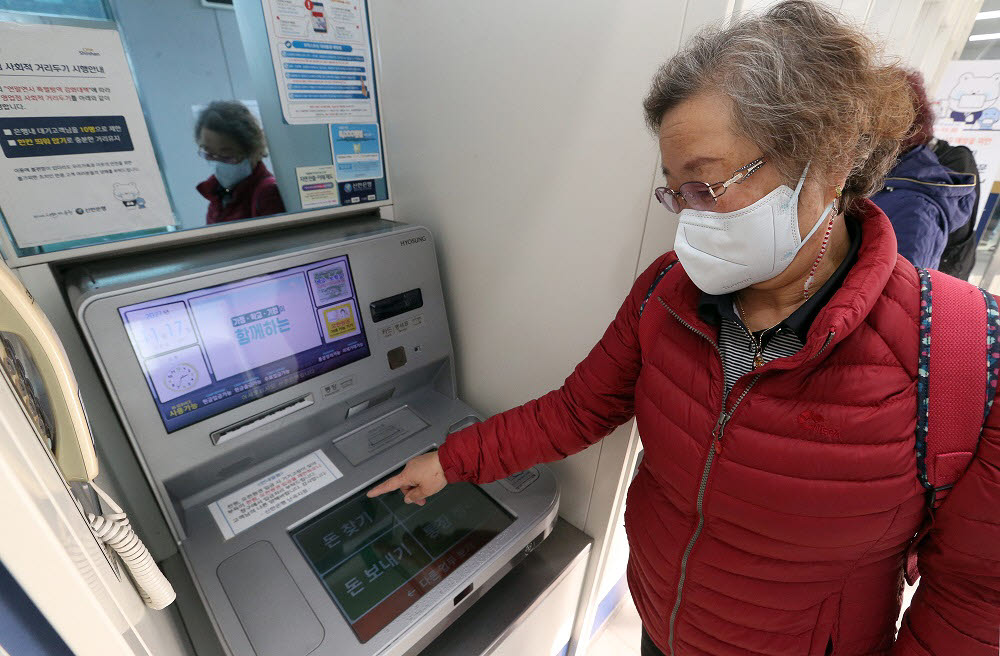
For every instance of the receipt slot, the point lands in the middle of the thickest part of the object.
(266, 384)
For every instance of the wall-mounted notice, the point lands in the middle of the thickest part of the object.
(317, 186)
(967, 113)
(356, 151)
(322, 59)
(75, 155)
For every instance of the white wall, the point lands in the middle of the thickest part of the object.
(515, 132)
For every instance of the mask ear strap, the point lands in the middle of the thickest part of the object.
(802, 180)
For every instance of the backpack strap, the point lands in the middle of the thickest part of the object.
(656, 281)
(956, 378)
(957, 371)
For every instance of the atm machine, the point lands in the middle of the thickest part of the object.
(266, 384)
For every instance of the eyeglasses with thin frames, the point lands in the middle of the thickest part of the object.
(212, 157)
(703, 195)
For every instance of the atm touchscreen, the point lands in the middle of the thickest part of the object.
(210, 350)
(377, 557)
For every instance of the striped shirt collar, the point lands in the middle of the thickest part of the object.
(712, 309)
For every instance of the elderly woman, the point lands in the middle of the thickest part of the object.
(771, 372)
(229, 137)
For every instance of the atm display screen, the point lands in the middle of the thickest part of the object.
(376, 557)
(210, 350)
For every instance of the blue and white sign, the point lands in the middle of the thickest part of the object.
(357, 151)
(322, 59)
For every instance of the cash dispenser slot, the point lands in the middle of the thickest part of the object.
(261, 419)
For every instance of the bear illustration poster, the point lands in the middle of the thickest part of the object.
(967, 113)
(76, 159)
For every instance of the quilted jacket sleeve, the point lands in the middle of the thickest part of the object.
(596, 398)
(956, 608)
(920, 226)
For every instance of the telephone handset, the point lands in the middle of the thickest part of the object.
(34, 364)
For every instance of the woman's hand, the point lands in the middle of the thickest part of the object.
(421, 478)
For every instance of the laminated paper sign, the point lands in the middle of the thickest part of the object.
(357, 151)
(253, 503)
(322, 59)
(76, 160)
(317, 186)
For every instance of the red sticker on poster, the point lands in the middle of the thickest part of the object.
(309, 5)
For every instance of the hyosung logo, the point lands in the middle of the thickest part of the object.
(413, 240)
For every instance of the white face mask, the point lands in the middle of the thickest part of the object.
(723, 252)
(229, 175)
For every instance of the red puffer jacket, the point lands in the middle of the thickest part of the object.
(783, 529)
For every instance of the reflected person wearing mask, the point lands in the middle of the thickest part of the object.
(229, 137)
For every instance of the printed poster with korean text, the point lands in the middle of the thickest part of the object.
(76, 159)
(322, 59)
(967, 113)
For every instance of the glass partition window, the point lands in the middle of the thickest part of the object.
(71, 8)
(264, 108)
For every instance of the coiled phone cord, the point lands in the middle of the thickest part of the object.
(114, 530)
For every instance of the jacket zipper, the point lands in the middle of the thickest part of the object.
(715, 449)
(934, 184)
(829, 338)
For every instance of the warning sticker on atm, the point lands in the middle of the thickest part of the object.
(340, 321)
(253, 503)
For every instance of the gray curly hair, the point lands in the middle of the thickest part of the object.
(804, 85)
(233, 119)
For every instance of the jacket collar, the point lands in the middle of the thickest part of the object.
(844, 311)
(920, 169)
(713, 308)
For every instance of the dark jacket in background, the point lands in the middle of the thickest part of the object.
(959, 255)
(926, 203)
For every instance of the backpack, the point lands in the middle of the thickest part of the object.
(959, 254)
(954, 402)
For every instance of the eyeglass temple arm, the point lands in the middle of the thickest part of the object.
(748, 170)
(739, 176)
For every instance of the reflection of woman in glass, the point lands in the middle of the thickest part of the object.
(229, 136)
